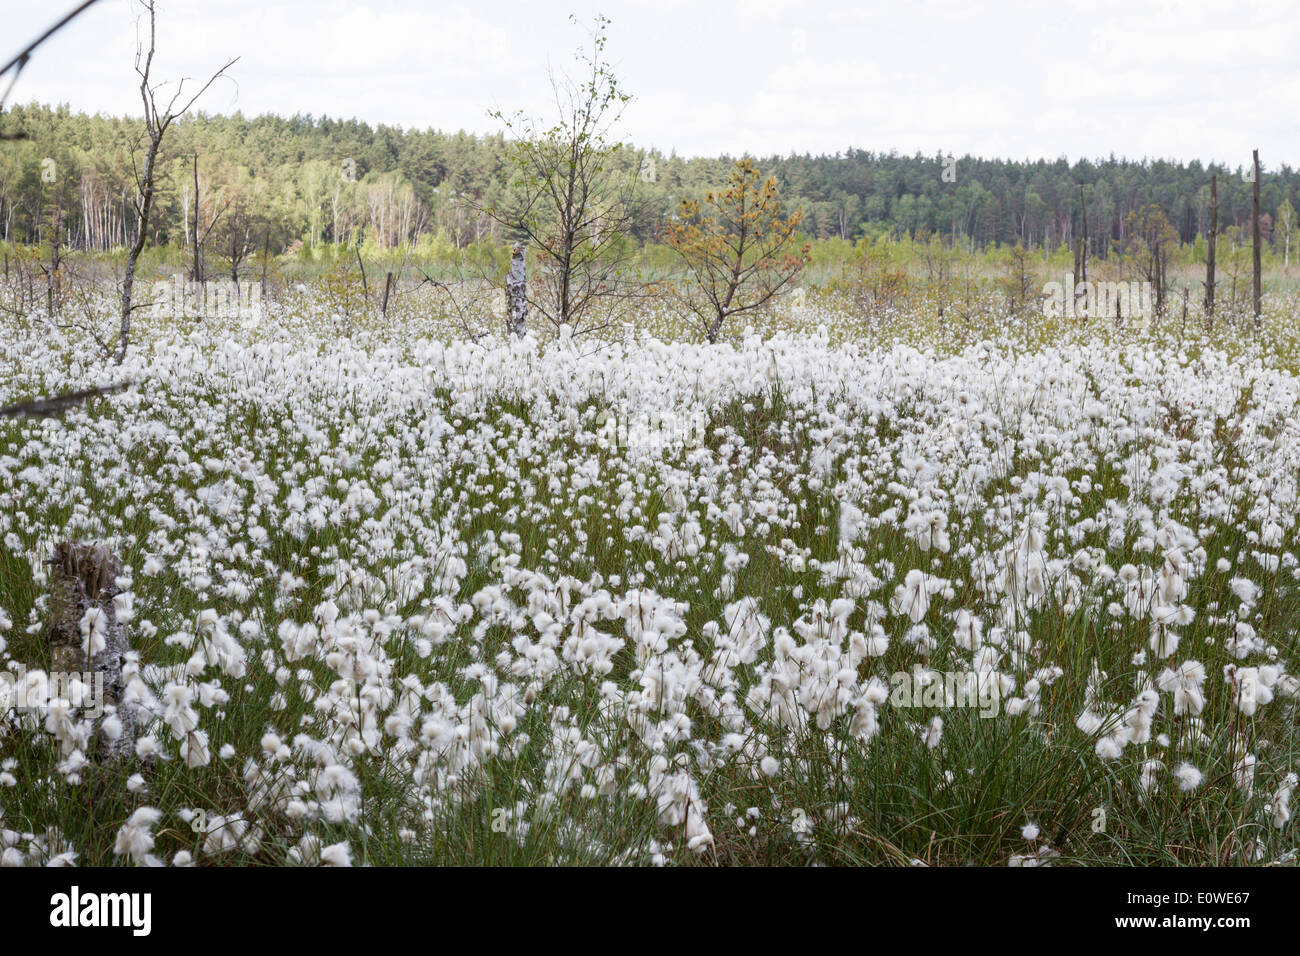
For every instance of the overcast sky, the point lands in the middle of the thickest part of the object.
(1038, 79)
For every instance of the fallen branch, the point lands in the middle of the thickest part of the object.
(44, 407)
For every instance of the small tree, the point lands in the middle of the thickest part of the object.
(1236, 265)
(1151, 242)
(240, 225)
(1019, 280)
(157, 119)
(574, 197)
(873, 280)
(740, 248)
(1286, 222)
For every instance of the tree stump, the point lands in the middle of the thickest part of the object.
(82, 588)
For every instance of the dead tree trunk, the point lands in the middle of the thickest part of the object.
(87, 639)
(1214, 243)
(1081, 253)
(365, 286)
(196, 273)
(145, 204)
(517, 292)
(1254, 230)
(266, 248)
(388, 288)
(52, 290)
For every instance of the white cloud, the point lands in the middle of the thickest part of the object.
(1081, 78)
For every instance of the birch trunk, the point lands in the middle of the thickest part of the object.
(517, 292)
(1257, 283)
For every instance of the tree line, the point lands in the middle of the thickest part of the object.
(287, 183)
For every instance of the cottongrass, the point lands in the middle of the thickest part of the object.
(412, 599)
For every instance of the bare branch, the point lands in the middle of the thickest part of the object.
(20, 60)
(44, 407)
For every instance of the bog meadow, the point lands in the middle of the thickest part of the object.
(383, 496)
